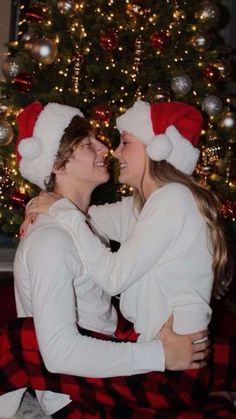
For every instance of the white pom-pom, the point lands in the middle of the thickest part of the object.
(159, 147)
(30, 148)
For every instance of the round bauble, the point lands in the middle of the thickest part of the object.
(109, 40)
(209, 13)
(44, 51)
(211, 73)
(181, 85)
(102, 113)
(159, 40)
(228, 121)
(11, 68)
(212, 105)
(6, 133)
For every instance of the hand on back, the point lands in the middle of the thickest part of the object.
(38, 205)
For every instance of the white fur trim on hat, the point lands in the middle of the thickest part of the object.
(170, 146)
(137, 121)
(37, 160)
(183, 156)
(159, 147)
(30, 148)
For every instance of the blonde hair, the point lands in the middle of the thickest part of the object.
(163, 173)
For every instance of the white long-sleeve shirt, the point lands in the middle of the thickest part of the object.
(163, 265)
(52, 286)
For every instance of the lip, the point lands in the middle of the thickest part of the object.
(123, 165)
(99, 164)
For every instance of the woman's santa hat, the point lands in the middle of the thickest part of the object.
(170, 131)
(40, 132)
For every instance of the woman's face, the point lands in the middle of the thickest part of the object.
(133, 160)
(86, 164)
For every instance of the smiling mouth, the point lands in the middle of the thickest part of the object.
(123, 165)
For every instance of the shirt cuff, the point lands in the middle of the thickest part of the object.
(149, 356)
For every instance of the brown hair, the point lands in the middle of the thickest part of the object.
(163, 173)
(78, 129)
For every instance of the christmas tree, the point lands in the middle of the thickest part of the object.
(101, 56)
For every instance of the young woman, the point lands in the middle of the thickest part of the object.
(58, 145)
(173, 250)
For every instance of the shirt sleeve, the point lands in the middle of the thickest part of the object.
(51, 265)
(155, 230)
(113, 221)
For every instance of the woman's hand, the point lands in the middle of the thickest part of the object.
(38, 205)
(29, 219)
(184, 351)
(42, 203)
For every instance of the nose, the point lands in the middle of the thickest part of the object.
(99, 147)
(117, 152)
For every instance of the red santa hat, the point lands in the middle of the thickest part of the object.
(170, 131)
(40, 130)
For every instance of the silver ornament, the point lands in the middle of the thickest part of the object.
(6, 133)
(228, 121)
(209, 13)
(11, 68)
(181, 85)
(44, 51)
(201, 41)
(212, 105)
(65, 6)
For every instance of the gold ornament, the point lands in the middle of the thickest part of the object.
(228, 121)
(44, 51)
(6, 133)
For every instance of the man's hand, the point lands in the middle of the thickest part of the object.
(184, 351)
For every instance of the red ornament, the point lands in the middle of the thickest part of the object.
(228, 210)
(102, 113)
(159, 40)
(18, 199)
(211, 73)
(23, 81)
(34, 14)
(109, 40)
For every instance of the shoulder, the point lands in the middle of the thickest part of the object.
(174, 192)
(47, 239)
(173, 199)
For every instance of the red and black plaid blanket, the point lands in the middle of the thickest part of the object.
(181, 395)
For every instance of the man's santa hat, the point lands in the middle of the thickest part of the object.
(40, 130)
(170, 131)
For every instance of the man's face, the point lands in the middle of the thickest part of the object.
(86, 164)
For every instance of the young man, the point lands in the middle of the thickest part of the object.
(56, 144)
